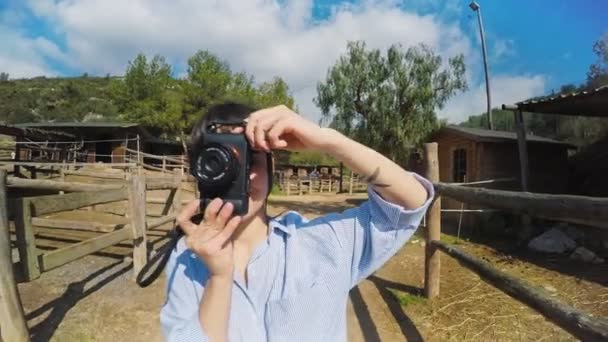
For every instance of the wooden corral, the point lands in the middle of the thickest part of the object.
(309, 179)
(559, 207)
(143, 205)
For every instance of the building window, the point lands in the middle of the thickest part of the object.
(459, 165)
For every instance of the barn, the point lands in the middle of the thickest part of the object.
(105, 141)
(491, 158)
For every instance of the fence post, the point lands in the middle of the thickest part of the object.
(177, 203)
(13, 327)
(137, 218)
(433, 225)
(26, 242)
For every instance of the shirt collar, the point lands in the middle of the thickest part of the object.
(274, 223)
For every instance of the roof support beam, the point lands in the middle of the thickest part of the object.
(523, 151)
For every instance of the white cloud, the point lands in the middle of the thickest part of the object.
(262, 37)
(21, 56)
(503, 48)
(504, 89)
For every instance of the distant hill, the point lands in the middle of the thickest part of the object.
(57, 99)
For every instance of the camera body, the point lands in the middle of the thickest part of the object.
(221, 165)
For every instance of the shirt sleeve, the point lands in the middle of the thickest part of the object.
(373, 232)
(179, 315)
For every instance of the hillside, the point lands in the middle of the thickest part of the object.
(57, 99)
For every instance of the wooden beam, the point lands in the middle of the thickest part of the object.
(105, 175)
(432, 261)
(576, 322)
(523, 150)
(176, 194)
(137, 216)
(153, 168)
(26, 242)
(156, 222)
(70, 253)
(157, 157)
(77, 225)
(44, 184)
(55, 203)
(13, 326)
(557, 207)
(161, 184)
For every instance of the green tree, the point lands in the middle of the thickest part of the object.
(145, 95)
(3, 77)
(598, 72)
(274, 93)
(389, 102)
(210, 81)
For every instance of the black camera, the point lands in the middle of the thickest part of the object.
(221, 164)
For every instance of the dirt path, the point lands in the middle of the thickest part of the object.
(96, 299)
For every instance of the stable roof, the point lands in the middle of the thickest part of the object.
(584, 103)
(485, 135)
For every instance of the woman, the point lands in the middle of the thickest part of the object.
(255, 278)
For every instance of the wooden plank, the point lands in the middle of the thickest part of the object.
(557, 207)
(161, 184)
(26, 242)
(137, 218)
(43, 184)
(432, 262)
(153, 223)
(77, 225)
(55, 203)
(576, 322)
(157, 157)
(94, 174)
(153, 168)
(64, 255)
(176, 203)
(13, 326)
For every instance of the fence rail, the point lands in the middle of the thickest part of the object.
(592, 210)
(578, 323)
(559, 207)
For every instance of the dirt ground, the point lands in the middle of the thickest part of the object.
(96, 299)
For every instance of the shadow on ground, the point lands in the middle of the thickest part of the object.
(368, 327)
(75, 292)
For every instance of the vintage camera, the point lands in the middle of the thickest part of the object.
(221, 164)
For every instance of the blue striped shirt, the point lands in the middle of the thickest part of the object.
(299, 278)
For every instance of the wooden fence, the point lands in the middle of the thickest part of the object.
(589, 210)
(28, 212)
(311, 185)
(157, 163)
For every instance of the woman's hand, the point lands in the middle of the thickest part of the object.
(281, 128)
(210, 240)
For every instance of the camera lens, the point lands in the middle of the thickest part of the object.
(217, 165)
(213, 166)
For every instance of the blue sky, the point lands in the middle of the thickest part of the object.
(534, 46)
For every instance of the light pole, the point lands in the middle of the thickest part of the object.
(476, 8)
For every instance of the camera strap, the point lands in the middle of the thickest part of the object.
(156, 264)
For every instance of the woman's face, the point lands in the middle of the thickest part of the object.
(258, 176)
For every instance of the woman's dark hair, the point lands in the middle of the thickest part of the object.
(225, 113)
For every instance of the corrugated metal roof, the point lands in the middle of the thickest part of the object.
(85, 128)
(585, 103)
(497, 136)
